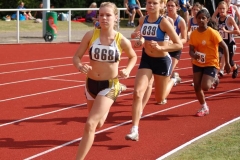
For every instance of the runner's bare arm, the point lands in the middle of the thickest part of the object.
(82, 49)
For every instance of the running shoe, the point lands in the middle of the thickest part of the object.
(178, 79)
(235, 73)
(215, 83)
(133, 136)
(123, 87)
(202, 112)
(132, 25)
(128, 24)
(163, 102)
(221, 72)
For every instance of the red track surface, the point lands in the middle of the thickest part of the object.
(43, 110)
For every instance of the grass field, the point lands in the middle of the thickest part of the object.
(221, 145)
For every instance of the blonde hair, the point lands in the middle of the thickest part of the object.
(164, 1)
(104, 4)
(223, 2)
(115, 10)
(163, 10)
(93, 4)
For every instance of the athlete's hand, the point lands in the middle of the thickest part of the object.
(124, 73)
(136, 34)
(84, 68)
(154, 45)
(224, 29)
(196, 56)
(138, 43)
(228, 68)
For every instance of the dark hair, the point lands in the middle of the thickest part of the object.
(198, 5)
(175, 1)
(211, 23)
(205, 12)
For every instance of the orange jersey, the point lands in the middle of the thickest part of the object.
(206, 45)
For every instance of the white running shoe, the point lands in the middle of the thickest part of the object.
(221, 73)
(163, 102)
(133, 136)
(178, 79)
(123, 87)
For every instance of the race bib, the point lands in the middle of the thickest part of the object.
(223, 34)
(194, 27)
(149, 30)
(103, 53)
(202, 57)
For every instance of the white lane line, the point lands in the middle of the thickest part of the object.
(32, 69)
(123, 123)
(65, 80)
(39, 93)
(182, 68)
(52, 59)
(47, 113)
(34, 79)
(78, 73)
(1, 125)
(55, 90)
(43, 114)
(41, 60)
(197, 138)
(48, 67)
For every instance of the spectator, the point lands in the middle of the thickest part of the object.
(91, 14)
(38, 14)
(25, 13)
(132, 6)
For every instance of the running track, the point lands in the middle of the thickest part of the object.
(43, 109)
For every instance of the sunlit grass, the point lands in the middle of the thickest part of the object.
(222, 145)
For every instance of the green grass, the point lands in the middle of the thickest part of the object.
(221, 145)
(29, 25)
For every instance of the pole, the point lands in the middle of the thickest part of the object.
(213, 4)
(46, 5)
(192, 2)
